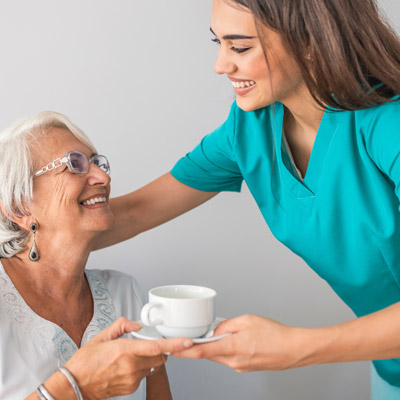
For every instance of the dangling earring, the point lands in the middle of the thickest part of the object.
(33, 252)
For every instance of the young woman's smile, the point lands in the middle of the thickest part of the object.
(242, 86)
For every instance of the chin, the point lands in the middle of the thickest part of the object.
(246, 105)
(104, 224)
(109, 224)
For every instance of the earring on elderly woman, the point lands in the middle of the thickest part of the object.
(33, 252)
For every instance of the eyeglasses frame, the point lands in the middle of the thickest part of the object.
(61, 161)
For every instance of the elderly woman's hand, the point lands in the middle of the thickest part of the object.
(256, 343)
(109, 366)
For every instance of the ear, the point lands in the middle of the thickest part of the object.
(22, 220)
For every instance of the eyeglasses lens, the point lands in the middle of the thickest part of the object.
(101, 162)
(78, 162)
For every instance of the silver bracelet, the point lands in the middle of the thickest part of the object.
(72, 381)
(40, 394)
(43, 393)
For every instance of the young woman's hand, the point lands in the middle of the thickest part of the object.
(259, 343)
(256, 344)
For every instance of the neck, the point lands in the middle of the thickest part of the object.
(304, 114)
(59, 273)
(56, 282)
(302, 118)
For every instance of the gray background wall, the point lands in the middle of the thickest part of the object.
(138, 78)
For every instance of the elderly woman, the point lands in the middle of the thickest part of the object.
(54, 191)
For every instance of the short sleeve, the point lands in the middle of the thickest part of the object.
(383, 141)
(211, 166)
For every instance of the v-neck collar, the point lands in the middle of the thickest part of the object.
(47, 334)
(326, 131)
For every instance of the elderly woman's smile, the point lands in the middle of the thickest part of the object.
(96, 200)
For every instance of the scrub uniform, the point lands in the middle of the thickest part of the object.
(343, 218)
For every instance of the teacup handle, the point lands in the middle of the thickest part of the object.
(145, 315)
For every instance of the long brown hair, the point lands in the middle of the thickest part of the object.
(349, 56)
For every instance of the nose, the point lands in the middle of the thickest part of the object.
(97, 176)
(224, 63)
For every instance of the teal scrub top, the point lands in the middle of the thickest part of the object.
(343, 220)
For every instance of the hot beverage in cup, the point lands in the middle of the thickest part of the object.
(180, 310)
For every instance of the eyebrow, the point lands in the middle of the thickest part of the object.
(233, 36)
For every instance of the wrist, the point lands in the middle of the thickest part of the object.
(336, 343)
(59, 387)
(311, 346)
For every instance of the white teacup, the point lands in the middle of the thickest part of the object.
(180, 310)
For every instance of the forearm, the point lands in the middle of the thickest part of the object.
(375, 336)
(157, 387)
(152, 205)
(58, 386)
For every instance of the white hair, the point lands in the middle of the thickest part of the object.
(17, 171)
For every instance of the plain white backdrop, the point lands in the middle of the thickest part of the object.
(138, 78)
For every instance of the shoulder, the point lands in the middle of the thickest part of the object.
(246, 126)
(119, 284)
(240, 121)
(109, 275)
(380, 133)
(380, 118)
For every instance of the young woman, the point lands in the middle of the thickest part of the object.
(314, 132)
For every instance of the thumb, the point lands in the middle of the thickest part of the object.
(229, 326)
(153, 348)
(116, 329)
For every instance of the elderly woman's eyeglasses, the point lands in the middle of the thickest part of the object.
(77, 163)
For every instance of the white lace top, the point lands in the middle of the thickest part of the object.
(32, 348)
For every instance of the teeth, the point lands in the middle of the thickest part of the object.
(94, 201)
(242, 84)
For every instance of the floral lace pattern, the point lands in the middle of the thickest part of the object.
(48, 335)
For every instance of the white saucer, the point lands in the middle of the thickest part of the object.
(151, 333)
